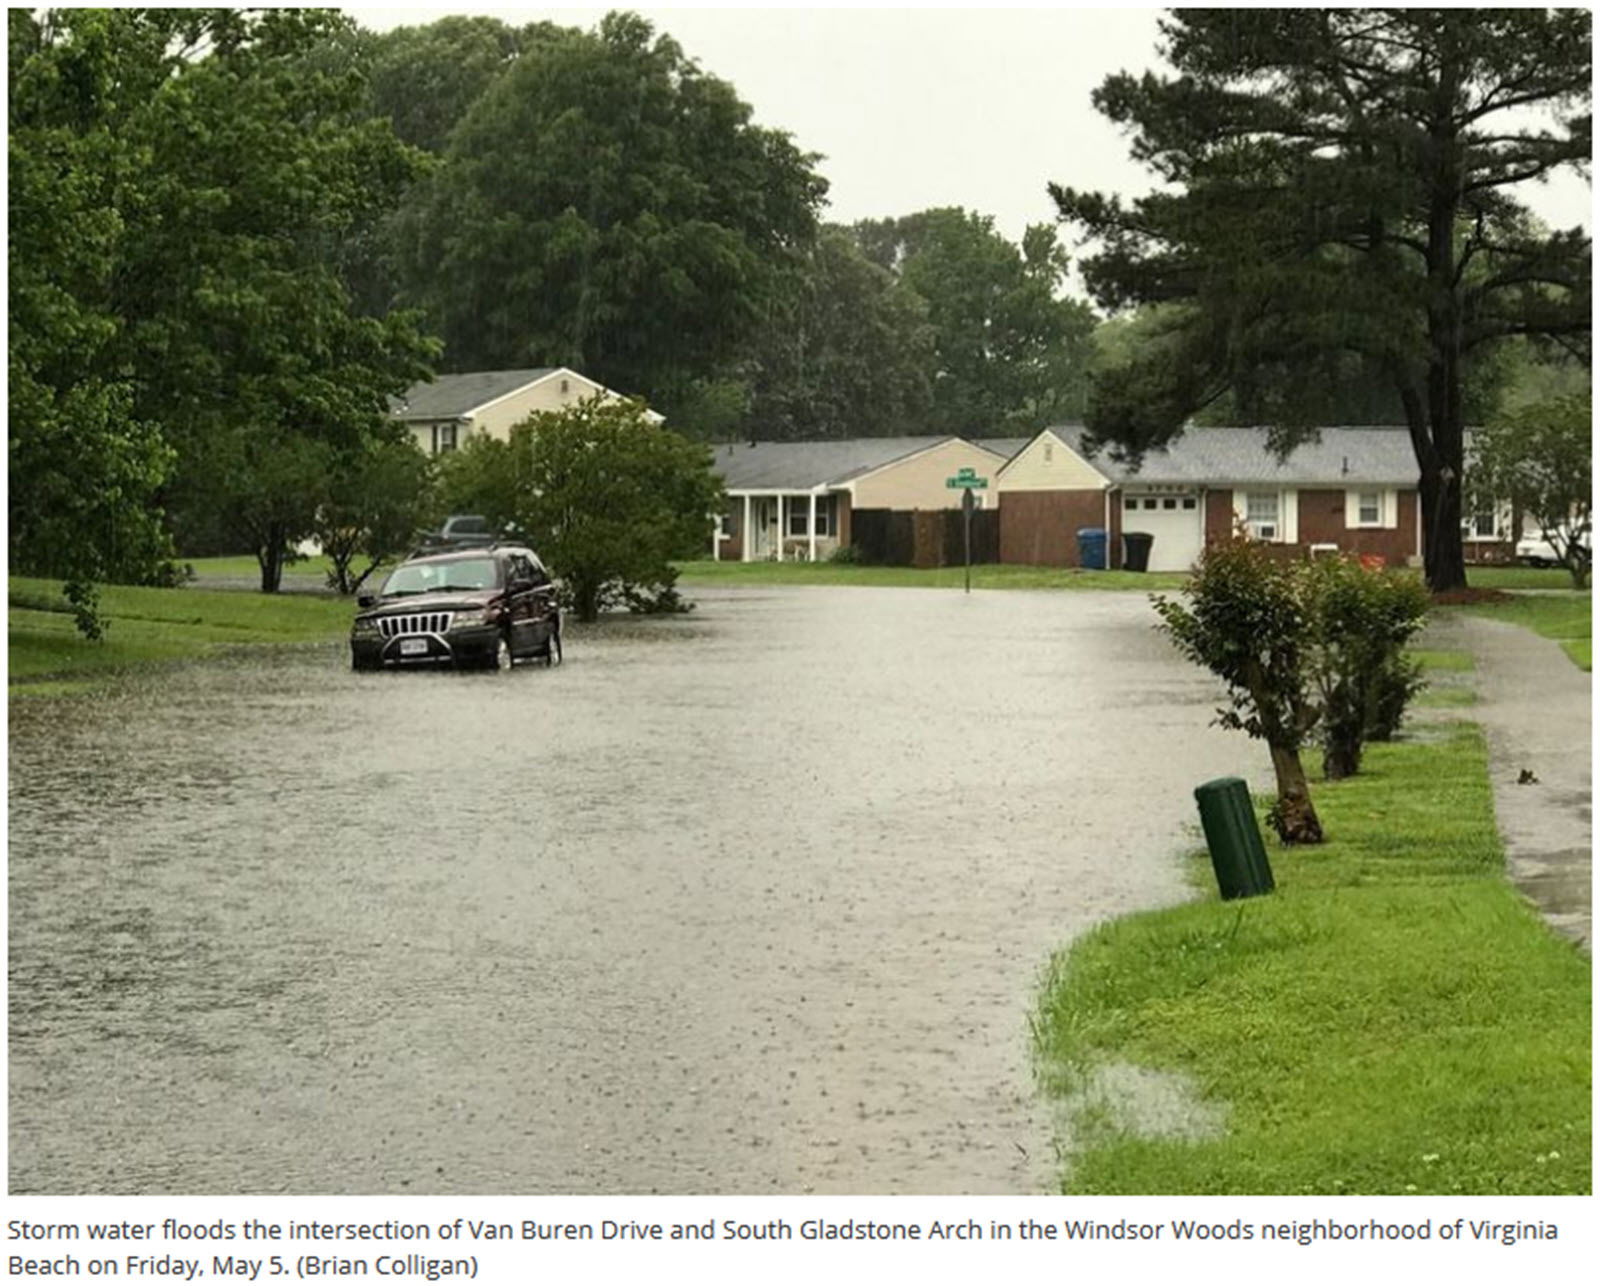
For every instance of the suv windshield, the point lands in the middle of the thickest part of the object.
(431, 578)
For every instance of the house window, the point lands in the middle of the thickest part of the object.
(725, 525)
(444, 438)
(798, 508)
(1369, 508)
(1132, 502)
(1485, 526)
(1261, 514)
(1169, 503)
(1188, 502)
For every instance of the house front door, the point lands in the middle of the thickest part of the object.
(766, 527)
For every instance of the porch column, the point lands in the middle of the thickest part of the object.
(744, 532)
(811, 527)
(780, 527)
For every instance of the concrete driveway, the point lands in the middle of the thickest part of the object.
(754, 900)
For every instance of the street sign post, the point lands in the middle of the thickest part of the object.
(966, 480)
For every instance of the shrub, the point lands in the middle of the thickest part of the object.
(1359, 623)
(1247, 621)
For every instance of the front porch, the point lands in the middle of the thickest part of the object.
(782, 526)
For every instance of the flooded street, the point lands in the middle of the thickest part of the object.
(749, 901)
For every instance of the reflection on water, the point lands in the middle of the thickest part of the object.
(751, 900)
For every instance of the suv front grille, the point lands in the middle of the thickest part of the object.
(415, 623)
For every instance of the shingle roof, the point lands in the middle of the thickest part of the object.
(799, 466)
(449, 396)
(1005, 448)
(1344, 455)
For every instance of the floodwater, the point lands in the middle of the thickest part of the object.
(753, 900)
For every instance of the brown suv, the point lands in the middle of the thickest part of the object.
(483, 607)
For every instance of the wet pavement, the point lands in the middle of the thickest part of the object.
(754, 900)
(1534, 705)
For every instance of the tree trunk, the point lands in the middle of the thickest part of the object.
(1293, 816)
(1341, 757)
(269, 556)
(1444, 564)
(586, 599)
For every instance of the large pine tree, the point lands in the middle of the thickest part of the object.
(1341, 185)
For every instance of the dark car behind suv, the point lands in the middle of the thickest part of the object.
(467, 607)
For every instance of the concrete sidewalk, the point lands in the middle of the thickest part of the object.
(1535, 710)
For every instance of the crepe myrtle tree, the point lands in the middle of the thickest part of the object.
(1538, 461)
(609, 498)
(1360, 621)
(1247, 621)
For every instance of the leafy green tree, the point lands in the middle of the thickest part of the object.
(845, 351)
(1539, 461)
(1247, 620)
(1008, 349)
(262, 491)
(426, 79)
(1342, 182)
(253, 164)
(85, 466)
(609, 499)
(607, 205)
(376, 502)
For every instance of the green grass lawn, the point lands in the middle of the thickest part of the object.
(985, 576)
(309, 569)
(1567, 618)
(148, 626)
(1008, 576)
(1394, 1019)
(1518, 578)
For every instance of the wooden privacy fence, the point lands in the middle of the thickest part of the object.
(922, 537)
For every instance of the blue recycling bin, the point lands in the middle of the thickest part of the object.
(1092, 548)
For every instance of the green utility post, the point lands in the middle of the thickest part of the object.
(968, 481)
(1237, 853)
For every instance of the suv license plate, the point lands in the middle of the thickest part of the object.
(413, 647)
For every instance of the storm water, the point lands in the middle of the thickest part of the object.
(751, 900)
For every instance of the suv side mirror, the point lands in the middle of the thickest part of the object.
(366, 600)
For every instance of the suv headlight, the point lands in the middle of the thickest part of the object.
(365, 626)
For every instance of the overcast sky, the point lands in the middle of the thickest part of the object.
(913, 108)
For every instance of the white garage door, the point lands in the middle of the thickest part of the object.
(1175, 520)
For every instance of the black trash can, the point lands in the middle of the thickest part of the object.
(1238, 855)
(1092, 548)
(1136, 550)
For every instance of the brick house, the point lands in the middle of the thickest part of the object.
(1354, 491)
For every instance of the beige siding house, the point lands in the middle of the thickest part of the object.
(794, 500)
(917, 481)
(444, 413)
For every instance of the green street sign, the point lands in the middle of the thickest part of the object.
(967, 478)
